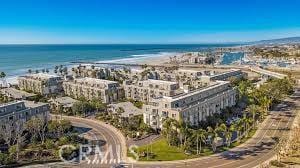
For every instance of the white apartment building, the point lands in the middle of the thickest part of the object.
(91, 88)
(237, 73)
(22, 111)
(41, 83)
(192, 74)
(193, 107)
(148, 89)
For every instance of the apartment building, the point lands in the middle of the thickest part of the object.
(41, 83)
(22, 111)
(237, 73)
(148, 89)
(91, 88)
(91, 71)
(192, 107)
(192, 74)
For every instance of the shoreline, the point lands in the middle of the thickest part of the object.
(159, 58)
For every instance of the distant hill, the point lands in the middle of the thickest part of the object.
(287, 40)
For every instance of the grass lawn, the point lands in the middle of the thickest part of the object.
(161, 151)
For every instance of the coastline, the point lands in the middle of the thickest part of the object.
(159, 58)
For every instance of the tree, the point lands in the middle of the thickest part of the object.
(254, 111)
(212, 135)
(167, 128)
(201, 137)
(2, 77)
(19, 137)
(37, 127)
(6, 132)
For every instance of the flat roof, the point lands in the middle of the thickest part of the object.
(28, 104)
(40, 76)
(161, 81)
(64, 100)
(17, 94)
(129, 109)
(95, 80)
(33, 104)
(189, 70)
(184, 95)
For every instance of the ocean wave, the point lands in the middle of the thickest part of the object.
(138, 57)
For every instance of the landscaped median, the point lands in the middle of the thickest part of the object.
(160, 150)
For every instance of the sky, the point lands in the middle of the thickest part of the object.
(146, 21)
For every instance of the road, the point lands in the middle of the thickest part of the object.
(107, 137)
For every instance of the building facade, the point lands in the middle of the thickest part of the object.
(41, 83)
(91, 88)
(236, 73)
(148, 89)
(22, 111)
(192, 107)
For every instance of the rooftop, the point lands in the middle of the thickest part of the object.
(161, 81)
(17, 94)
(32, 104)
(210, 86)
(40, 76)
(129, 109)
(94, 80)
(66, 101)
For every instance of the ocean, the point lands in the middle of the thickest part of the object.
(17, 59)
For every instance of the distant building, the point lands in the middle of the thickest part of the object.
(126, 109)
(192, 74)
(62, 103)
(91, 72)
(41, 83)
(91, 88)
(16, 94)
(22, 111)
(233, 73)
(192, 107)
(146, 90)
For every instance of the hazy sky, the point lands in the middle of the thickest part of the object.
(147, 21)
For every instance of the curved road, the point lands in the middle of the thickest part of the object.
(111, 141)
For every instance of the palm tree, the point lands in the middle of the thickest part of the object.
(253, 110)
(229, 133)
(167, 126)
(239, 128)
(213, 135)
(201, 135)
(223, 131)
(2, 77)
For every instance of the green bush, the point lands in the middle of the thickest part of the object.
(5, 159)
(277, 163)
(49, 144)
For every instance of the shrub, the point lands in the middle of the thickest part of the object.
(277, 163)
(49, 144)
